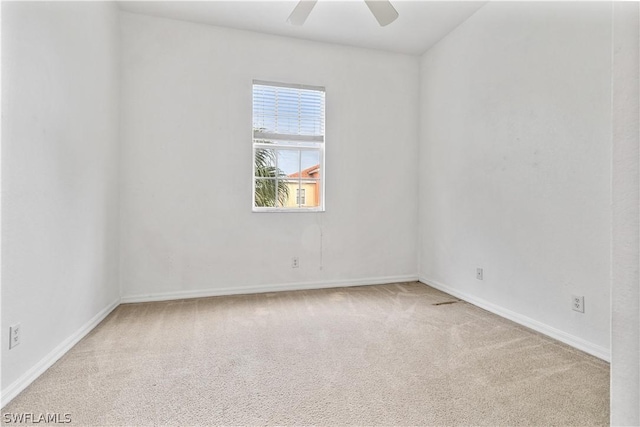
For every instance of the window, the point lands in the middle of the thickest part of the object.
(288, 147)
(300, 194)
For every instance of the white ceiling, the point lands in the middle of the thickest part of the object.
(420, 24)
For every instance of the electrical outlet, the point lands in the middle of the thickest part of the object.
(14, 335)
(577, 303)
(479, 274)
(295, 263)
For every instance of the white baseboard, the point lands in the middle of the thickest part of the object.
(576, 342)
(28, 377)
(239, 290)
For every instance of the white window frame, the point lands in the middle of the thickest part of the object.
(303, 142)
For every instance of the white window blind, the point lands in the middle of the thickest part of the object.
(288, 113)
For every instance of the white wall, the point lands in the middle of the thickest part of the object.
(515, 153)
(59, 177)
(625, 294)
(187, 227)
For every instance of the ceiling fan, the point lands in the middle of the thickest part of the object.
(383, 11)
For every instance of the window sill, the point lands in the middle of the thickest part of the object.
(285, 210)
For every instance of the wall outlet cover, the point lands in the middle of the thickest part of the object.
(577, 303)
(14, 336)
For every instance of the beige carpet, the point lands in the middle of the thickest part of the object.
(374, 355)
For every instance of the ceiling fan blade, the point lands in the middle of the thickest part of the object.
(383, 10)
(301, 12)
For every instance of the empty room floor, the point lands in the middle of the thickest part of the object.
(399, 354)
